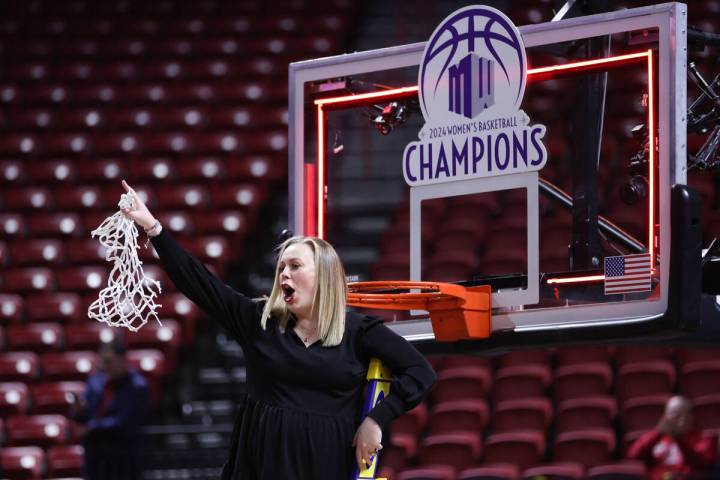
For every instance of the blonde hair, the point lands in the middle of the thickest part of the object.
(330, 295)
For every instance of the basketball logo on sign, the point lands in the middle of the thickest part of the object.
(471, 85)
(474, 62)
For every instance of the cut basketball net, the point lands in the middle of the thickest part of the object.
(129, 299)
(456, 312)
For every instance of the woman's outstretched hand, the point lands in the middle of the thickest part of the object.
(367, 442)
(139, 212)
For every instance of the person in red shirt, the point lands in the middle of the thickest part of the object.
(674, 449)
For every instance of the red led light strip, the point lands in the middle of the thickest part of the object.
(364, 98)
(588, 278)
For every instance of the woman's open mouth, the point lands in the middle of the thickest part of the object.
(288, 293)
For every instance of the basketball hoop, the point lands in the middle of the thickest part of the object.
(456, 312)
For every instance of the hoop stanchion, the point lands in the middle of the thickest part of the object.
(456, 312)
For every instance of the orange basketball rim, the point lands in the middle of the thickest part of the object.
(456, 312)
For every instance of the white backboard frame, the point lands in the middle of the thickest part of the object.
(670, 20)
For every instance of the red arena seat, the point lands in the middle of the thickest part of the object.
(81, 279)
(68, 366)
(625, 470)
(152, 169)
(14, 398)
(399, 451)
(469, 415)
(55, 397)
(706, 410)
(12, 171)
(176, 305)
(430, 472)
(458, 450)
(42, 430)
(103, 170)
(700, 378)
(27, 198)
(520, 381)
(151, 363)
(461, 383)
(183, 196)
(525, 357)
(74, 198)
(19, 366)
(687, 355)
(582, 354)
(38, 337)
(634, 354)
(523, 414)
(581, 380)
(412, 422)
(587, 447)
(13, 225)
(564, 471)
(85, 250)
(165, 337)
(240, 196)
(59, 307)
(28, 280)
(490, 472)
(11, 308)
(585, 412)
(65, 461)
(229, 222)
(35, 252)
(639, 414)
(55, 224)
(22, 462)
(522, 449)
(88, 335)
(645, 378)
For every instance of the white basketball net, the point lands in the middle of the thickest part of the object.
(129, 299)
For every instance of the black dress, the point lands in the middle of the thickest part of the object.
(303, 403)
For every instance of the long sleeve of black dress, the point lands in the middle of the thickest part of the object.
(231, 309)
(412, 374)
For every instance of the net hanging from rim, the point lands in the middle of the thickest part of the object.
(129, 299)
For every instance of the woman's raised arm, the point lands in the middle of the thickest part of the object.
(237, 313)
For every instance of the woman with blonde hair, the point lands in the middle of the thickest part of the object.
(307, 358)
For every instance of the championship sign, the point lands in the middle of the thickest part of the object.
(471, 85)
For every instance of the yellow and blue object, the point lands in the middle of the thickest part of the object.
(378, 388)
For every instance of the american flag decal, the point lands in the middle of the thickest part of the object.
(627, 274)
